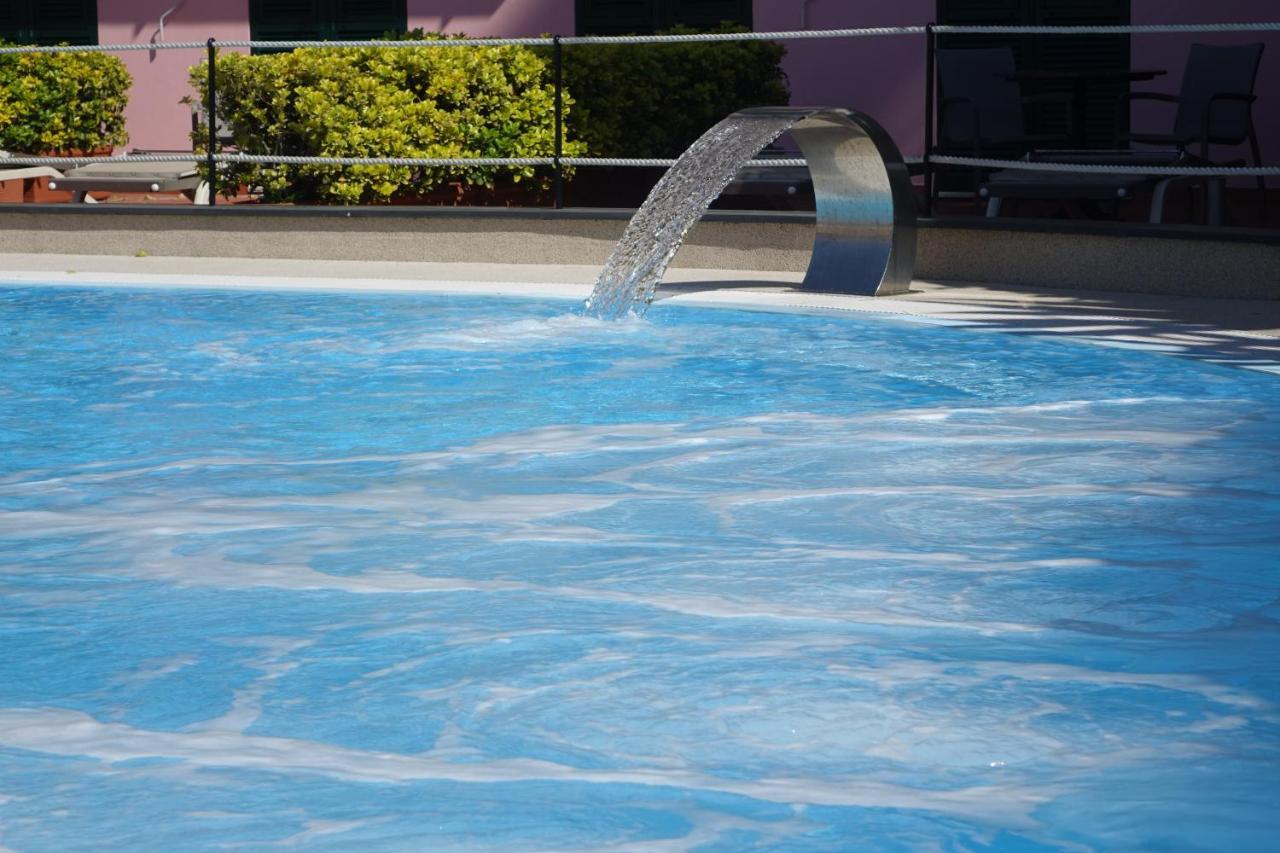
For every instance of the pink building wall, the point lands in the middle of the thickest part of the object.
(156, 116)
(880, 76)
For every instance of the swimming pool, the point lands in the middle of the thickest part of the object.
(412, 572)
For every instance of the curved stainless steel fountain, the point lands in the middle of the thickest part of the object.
(865, 242)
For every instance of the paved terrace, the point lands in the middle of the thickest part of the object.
(1239, 332)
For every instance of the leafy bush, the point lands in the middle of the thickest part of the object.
(654, 100)
(385, 102)
(62, 102)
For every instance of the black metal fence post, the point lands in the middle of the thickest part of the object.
(211, 116)
(930, 46)
(559, 72)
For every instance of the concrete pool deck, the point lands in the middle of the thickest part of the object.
(1238, 332)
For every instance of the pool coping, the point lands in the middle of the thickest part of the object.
(1235, 263)
(1238, 333)
(1103, 228)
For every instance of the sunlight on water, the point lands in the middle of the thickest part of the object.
(398, 572)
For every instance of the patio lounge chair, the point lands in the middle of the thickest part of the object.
(134, 177)
(1069, 187)
(181, 176)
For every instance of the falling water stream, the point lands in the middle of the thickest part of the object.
(656, 232)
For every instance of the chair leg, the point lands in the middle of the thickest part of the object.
(1157, 201)
(201, 193)
(1213, 200)
(1262, 182)
(993, 207)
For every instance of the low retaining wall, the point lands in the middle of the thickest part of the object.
(1144, 259)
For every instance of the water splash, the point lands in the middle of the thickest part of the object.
(656, 232)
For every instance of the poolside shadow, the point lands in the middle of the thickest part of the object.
(1240, 332)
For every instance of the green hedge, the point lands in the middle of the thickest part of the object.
(654, 100)
(62, 102)
(444, 102)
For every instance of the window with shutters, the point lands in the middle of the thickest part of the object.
(49, 21)
(286, 20)
(1054, 53)
(613, 17)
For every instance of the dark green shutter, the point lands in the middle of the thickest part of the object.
(299, 20)
(363, 19)
(284, 20)
(1053, 52)
(1062, 52)
(708, 14)
(612, 17)
(49, 21)
(11, 20)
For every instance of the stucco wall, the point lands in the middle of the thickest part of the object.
(157, 118)
(883, 77)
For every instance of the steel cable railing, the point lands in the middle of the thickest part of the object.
(557, 43)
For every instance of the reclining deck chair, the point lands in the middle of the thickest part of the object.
(133, 177)
(180, 176)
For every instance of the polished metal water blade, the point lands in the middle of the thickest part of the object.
(865, 240)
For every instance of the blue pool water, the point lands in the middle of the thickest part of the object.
(409, 572)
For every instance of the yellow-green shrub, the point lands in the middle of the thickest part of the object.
(654, 100)
(385, 102)
(62, 102)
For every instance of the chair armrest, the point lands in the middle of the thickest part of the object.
(1124, 102)
(1232, 96)
(1149, 96)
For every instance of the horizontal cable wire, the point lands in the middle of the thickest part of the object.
(624, 162)
(292, 160)
(675, 38)
(670, 38)
(299, 160)
(1107, 169)
(284, 159)
(664, 162)
(542, 41)
(1107, 30)
(102, 48)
